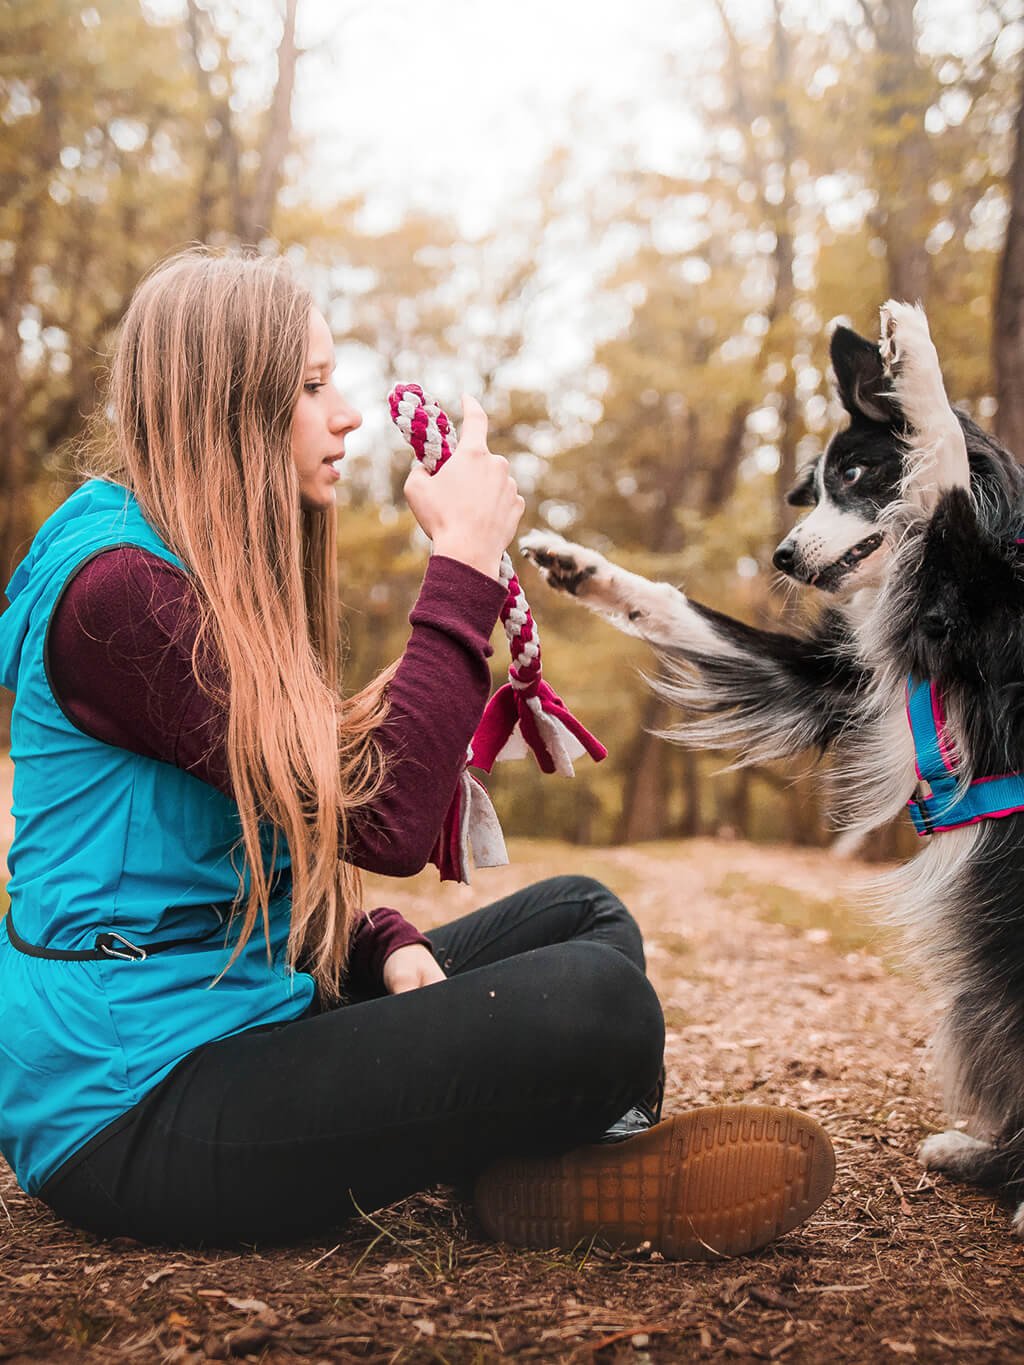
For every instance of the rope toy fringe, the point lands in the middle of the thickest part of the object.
(525, 714)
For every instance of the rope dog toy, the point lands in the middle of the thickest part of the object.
(525, 714)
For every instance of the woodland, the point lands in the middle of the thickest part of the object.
(651, 346)
(847, 154)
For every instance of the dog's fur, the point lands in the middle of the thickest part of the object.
(916, 515)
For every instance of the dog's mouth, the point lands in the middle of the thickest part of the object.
(832, 573)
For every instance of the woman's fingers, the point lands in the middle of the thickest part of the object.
(474, 424)
(471, 507)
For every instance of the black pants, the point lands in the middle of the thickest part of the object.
(545, 1033)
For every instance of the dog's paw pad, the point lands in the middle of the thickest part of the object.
(565, 567)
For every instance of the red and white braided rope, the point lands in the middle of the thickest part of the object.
(522, 717)
(427, 428)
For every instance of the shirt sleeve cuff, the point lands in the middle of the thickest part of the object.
(374, 939)
(453, 594)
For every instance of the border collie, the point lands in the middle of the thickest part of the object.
(916, 536)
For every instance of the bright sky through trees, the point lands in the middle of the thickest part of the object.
(455, 103)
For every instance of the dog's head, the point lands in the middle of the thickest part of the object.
(840, 545)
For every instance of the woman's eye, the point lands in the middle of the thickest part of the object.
(313, 387)
(851, 474)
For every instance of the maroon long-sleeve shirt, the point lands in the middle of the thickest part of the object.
(120, 666)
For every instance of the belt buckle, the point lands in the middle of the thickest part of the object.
(134, 954)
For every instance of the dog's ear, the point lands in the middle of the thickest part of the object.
(803, 493)
(863, 383)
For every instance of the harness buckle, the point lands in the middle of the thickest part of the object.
(923, 790)
(105, 943)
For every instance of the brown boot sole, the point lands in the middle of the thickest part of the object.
(712, 1182)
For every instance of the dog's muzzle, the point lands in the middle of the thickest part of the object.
(787, 560)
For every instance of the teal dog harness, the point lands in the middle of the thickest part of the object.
(941, 801)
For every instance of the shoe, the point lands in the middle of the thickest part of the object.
(710, 1183)
(636, 1120)
(640, 1116)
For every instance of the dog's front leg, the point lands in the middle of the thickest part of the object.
(657, 612)
(936, 458)
(762, 693)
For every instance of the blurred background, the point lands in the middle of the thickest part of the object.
(626, 229)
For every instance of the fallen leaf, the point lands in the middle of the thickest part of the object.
(247, 1339)
(162, 1274)
(248, 1305)
(771, 1298)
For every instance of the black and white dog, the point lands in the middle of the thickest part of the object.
(916, 535)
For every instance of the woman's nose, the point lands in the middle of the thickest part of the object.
(346, 418)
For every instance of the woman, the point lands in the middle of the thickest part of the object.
(193, 800)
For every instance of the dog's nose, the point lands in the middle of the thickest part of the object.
(785, 557)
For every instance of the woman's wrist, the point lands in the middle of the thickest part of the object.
(484, 561)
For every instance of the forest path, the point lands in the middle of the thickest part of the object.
(775, 990)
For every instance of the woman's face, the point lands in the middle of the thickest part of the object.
(322, 421)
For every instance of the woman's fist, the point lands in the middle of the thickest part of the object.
(408, 968)
(471, 507)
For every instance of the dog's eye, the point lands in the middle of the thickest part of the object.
(851, 474)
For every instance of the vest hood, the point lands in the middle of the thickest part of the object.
(23, 592)
(27, 585)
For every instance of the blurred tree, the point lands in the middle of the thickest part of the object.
(904, 88)
(1008, 332)
(842, 157)
(244, 154)
(106, 162)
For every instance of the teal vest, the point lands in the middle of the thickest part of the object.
(108, 841)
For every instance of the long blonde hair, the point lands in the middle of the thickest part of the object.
(208, 368)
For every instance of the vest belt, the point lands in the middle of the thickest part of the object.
(109, 944)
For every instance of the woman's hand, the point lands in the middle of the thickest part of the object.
(471, 507)
(408, 968)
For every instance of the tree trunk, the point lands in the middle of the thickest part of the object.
(781, 332)
(1008, 310)
(901, 150)
(643, 789)
(691, 826)
(15, 476)
(260, 208)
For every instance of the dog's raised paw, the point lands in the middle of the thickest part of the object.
(1017, 1222)
(904, 336)
(565, 567)
(936, 455)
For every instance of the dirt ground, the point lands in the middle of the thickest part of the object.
(775, 991)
